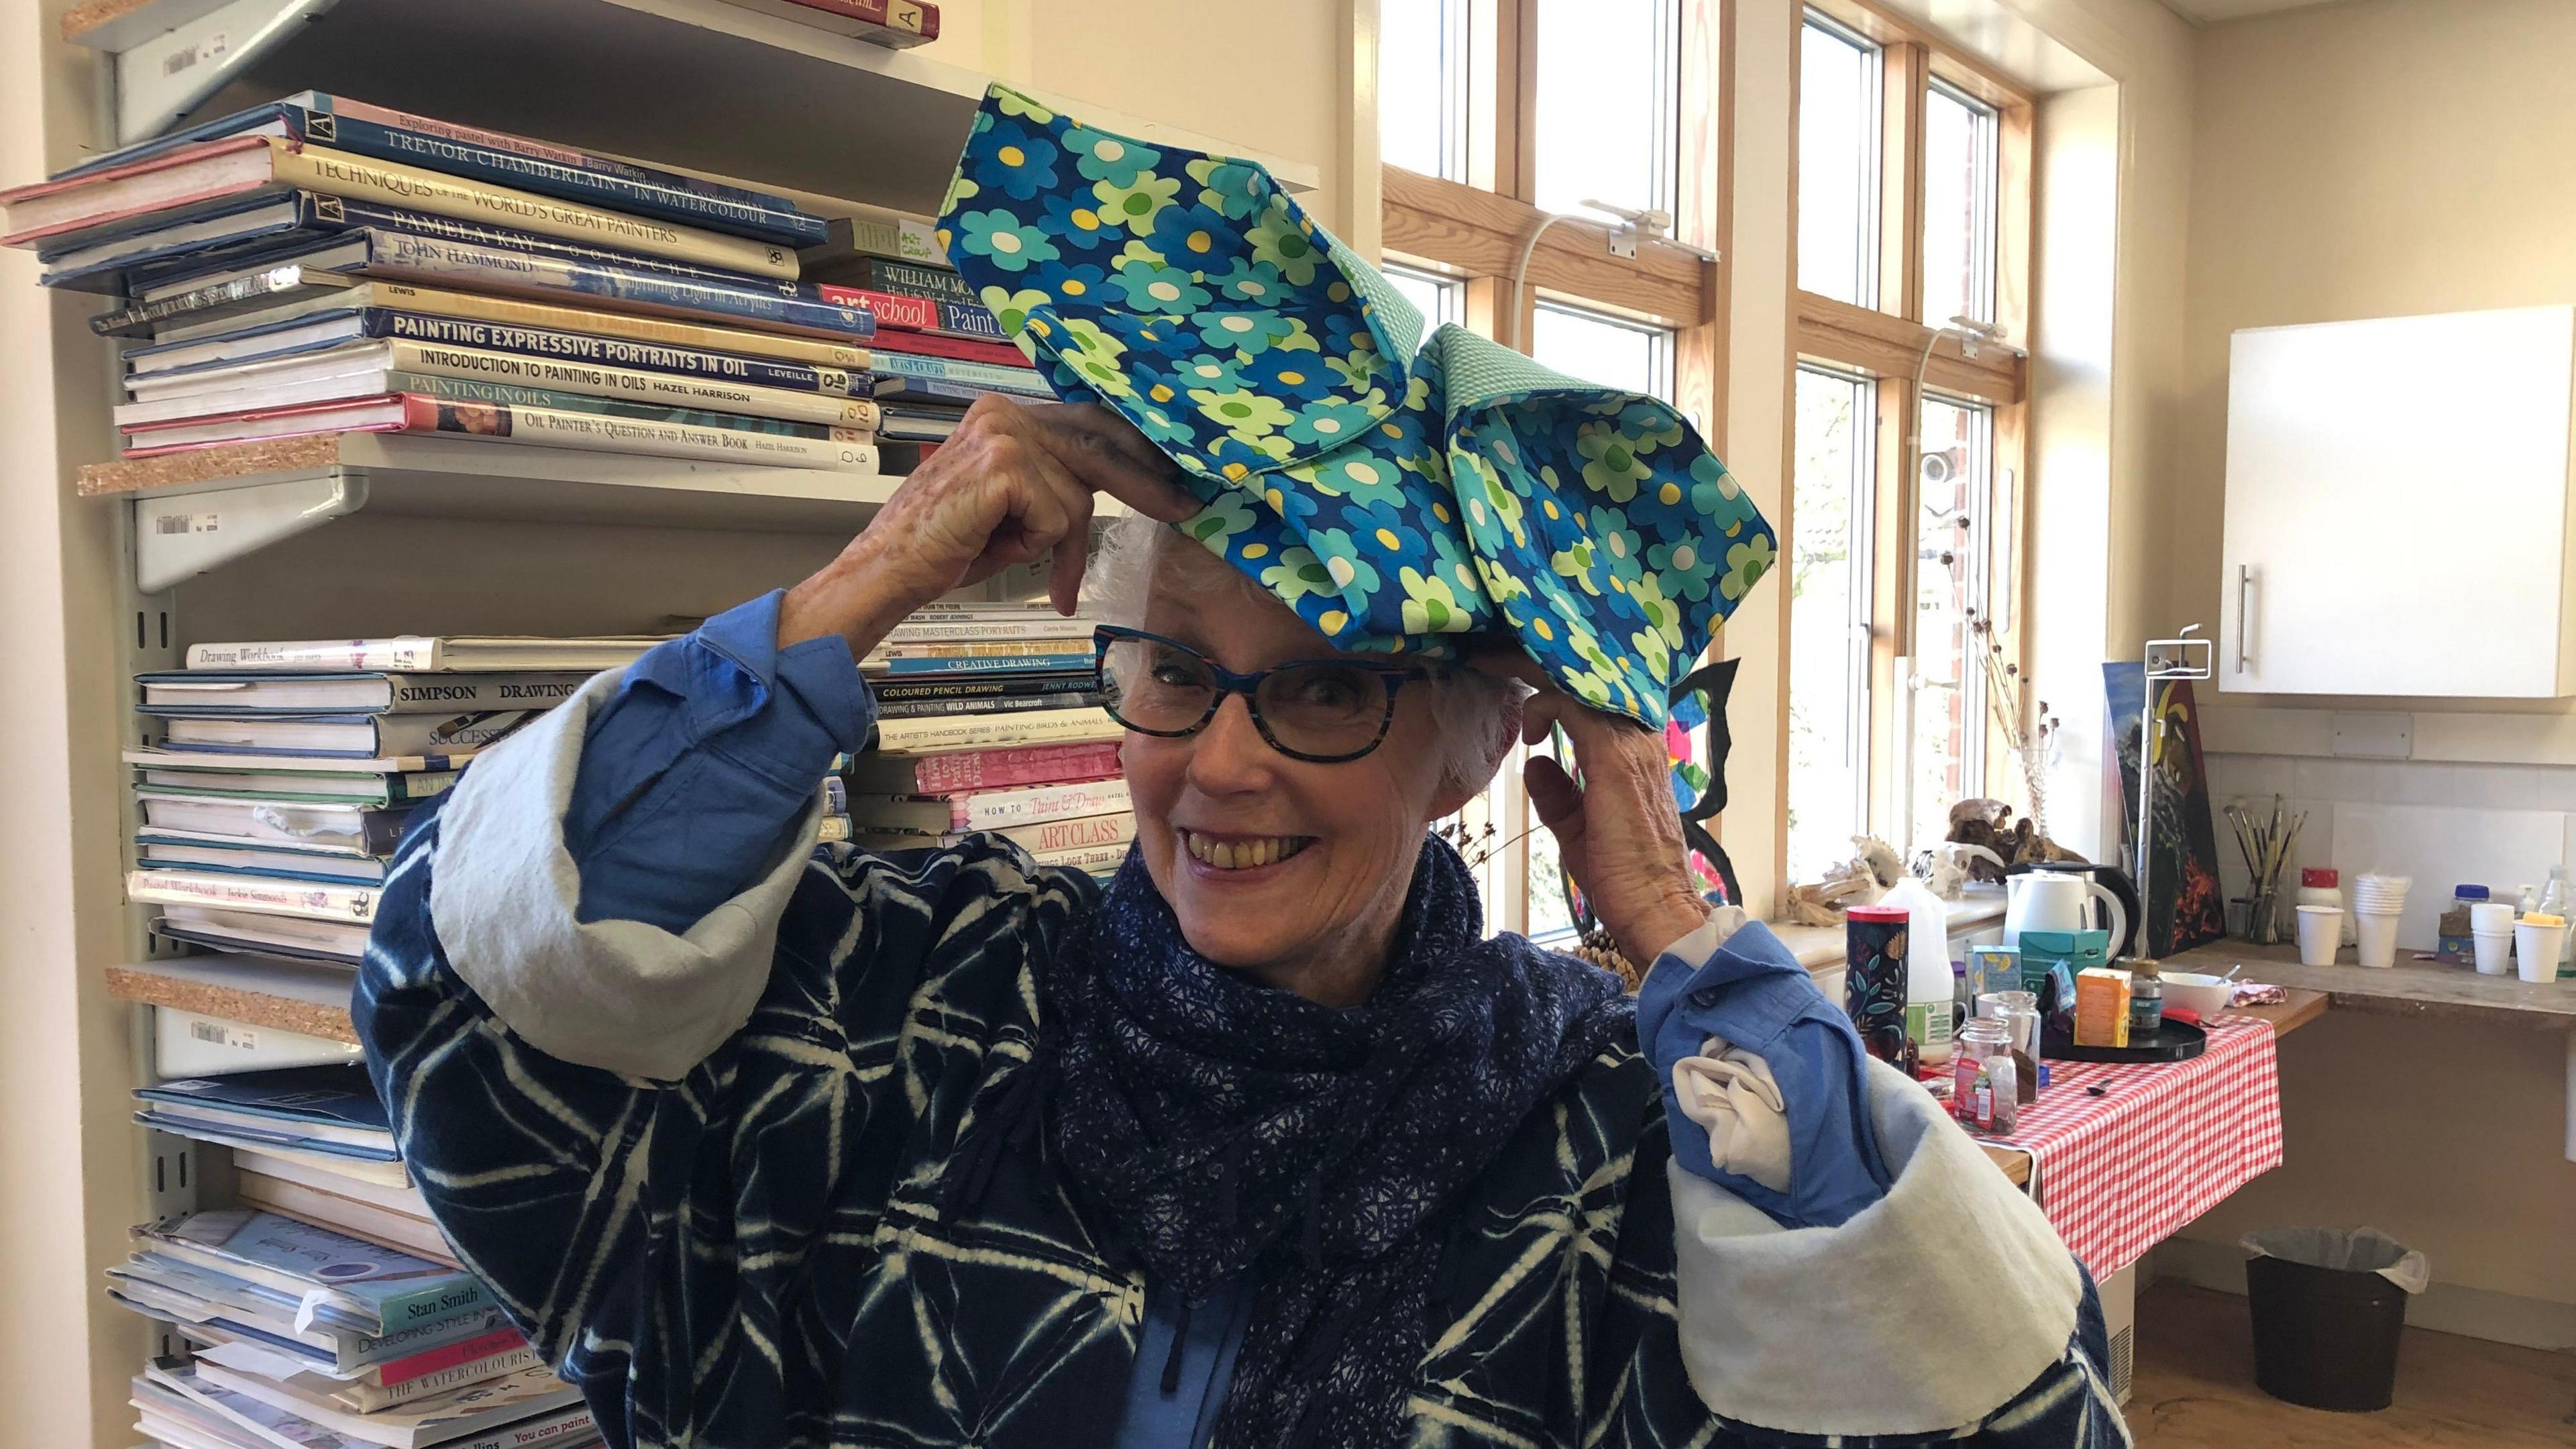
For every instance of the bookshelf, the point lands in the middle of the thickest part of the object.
(681, 82)
(364, 534)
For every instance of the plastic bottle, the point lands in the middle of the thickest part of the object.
(2559, 899)
(1927, 969)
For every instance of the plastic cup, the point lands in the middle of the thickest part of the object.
(2495, 952)
(2536, 950)
(2320, 932)
(2378, 938)
(1998, 1003)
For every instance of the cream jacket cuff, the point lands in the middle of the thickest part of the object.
(617, 995)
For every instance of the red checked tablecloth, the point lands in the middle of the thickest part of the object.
(2118, 1173)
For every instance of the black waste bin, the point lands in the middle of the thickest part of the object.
(2329, 1307)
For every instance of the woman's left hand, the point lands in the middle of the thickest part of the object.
(1618, 835)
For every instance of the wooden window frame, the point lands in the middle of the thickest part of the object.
(1889, 343)
(1475, 231)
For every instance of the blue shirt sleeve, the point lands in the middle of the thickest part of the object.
(1753, 992)
(707, 757)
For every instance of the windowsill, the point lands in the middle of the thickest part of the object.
(1820, 948)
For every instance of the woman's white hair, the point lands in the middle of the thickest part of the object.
(1473, 709)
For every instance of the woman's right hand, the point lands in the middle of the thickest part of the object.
(1015, 480)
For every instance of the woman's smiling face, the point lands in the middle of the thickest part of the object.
(1291, 872)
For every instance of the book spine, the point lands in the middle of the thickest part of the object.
(1066, 682)
(1050, 663)
(252, 893)
(913, 314)
(502, 394)
(786, 306)
(1005, 377)
(984, 646)
(565, 1426)
(922, 390)
(1030, 807)
(611, 352)
(404, 297)
(971, 319)
(231, 294)
(652, 389)
(550, 171)
(426, 693)
(917, 736)
(964, 349)
(900, 238)
(1083, 833)
(405, 654)
(556, 428)
(366, 1398)
(918, 630)
(414, 785)
(338, 173)
(463, 1352)
(440, 1301)
(929, 708)
(1093, 858)
(910, 279)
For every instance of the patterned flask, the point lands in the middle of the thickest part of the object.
(1874, 984)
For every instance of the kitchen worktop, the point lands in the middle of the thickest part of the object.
(2409, 988)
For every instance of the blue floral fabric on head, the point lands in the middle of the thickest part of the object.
(1399, 494)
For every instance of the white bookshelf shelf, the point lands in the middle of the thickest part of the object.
(188, 528)
(681, 82)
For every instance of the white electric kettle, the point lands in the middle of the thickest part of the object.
(2052, 901)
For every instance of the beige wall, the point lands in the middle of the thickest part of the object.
(2379, 159)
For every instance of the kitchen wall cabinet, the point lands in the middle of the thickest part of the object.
(2397, 507)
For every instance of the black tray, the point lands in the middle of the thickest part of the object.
(2171, 1041)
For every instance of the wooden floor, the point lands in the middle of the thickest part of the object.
(2194, 1389)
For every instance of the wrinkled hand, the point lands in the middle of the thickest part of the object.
(1015, 480)
(1618, 835)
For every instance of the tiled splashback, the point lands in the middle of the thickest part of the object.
(2503, 826)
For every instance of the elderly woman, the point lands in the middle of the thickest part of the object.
(1262, 1143)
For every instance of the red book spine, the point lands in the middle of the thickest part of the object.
(912, 17)
(1022, 765)
(917, 314)
(964, 349)
(449, 1355)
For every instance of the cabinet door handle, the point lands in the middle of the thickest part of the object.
(2244, 582)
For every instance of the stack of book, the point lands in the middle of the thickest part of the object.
(325, 1309)
(989, 720)
(937, 348)
(896, 24)
(283, 773)
(319, 266)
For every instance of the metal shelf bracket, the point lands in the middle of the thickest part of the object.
(179, 536)
(168, 59)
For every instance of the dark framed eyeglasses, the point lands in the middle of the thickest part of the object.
(1323, 711)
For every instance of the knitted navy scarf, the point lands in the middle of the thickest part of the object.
(1226, 1128)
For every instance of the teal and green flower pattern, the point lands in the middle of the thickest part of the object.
(1399, 492)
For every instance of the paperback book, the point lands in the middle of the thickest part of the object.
(851, 451)
(250, 692)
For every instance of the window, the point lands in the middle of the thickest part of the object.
(1948, 677)
(1632, 358)
(1592, 348)
(1959, 204)
(1548, 104)
(1829, 609)
(1606, 124)
(1441, 300)
(1913, 212)
(1838, 91)
(1422, 86)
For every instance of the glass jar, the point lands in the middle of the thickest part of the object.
(1982, 1043)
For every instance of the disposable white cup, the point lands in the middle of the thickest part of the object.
(2535, 950)
(2378, 938)
(2491, 918)
(2320, 931)
(2495, 952)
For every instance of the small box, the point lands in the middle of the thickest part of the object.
(2102, 1008)
(1994, 968)
(2082, 951)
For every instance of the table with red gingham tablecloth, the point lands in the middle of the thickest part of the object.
(2164, 1143)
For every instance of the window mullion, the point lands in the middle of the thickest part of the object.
(1892, 597)
(1902, 75)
